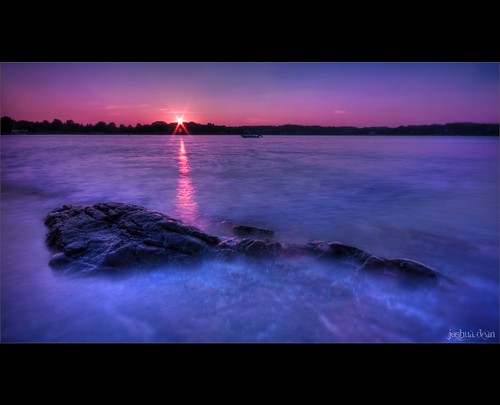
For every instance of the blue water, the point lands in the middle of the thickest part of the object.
(431, 199)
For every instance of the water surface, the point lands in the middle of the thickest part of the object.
(431, 199)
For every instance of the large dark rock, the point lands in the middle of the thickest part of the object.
(114, 235)
(118, 236)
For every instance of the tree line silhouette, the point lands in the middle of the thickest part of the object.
(11, 126)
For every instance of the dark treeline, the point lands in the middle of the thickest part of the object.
(10, 126)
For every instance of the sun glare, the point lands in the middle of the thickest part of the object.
(180, 128)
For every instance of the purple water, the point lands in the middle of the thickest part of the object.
(431, 199)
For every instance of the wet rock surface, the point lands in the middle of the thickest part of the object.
(117, 236)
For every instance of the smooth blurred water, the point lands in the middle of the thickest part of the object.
(431, 199)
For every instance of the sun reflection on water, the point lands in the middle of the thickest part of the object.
(186, 206)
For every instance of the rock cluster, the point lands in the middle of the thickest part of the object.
(117, 236)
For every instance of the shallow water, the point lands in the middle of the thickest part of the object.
(431, 199)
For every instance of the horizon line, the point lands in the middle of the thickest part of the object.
(259, 125)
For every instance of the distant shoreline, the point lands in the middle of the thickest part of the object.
(56, 127)
(267, 135)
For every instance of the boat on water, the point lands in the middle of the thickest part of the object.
(248, 134)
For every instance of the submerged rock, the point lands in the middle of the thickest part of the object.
(116, 236)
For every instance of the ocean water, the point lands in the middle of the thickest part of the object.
(431, 199)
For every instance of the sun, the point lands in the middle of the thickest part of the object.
(180, 128)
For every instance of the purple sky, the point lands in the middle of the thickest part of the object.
(357, 94)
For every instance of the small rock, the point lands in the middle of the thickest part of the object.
(404, 267)
(245, 231)
(412, 268)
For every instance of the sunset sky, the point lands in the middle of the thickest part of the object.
(328, 94)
